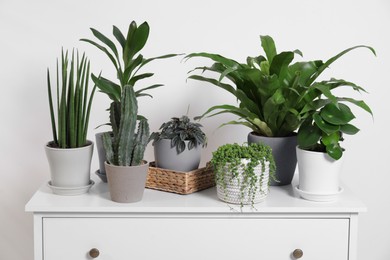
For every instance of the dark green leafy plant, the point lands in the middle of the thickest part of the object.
(179, 130)
(227, 163)
(73, 102)
(271, 90)
(124, 146)
(327, 121)
(128, 63)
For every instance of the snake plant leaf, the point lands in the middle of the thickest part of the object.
(52, 117)
(349, 129)
(336, 57)
(106, 41)
(324, 126)
(308, 134)
(268, 45)
(337, 115)
(119, 36)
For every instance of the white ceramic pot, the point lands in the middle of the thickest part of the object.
(233, 192)
(319, 175)
(70, 168)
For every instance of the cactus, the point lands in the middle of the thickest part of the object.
(124, 146)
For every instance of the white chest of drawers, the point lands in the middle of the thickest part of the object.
(198, 226)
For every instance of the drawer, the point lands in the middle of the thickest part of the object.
(195, 238)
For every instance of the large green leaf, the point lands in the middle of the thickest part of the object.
(119, 36)
(215, 82)
(269, 48)
(138, 40)
(336, 57)
(349, 129)
(324, 126)
(334, 151)
(134, 79)
(129, 40)
(108, 87)
(280, 62)
(105, 40)
(339, 114)
(215, 57)
(104, 50)
(308, 134)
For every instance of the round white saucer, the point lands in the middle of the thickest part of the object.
(320, 197)
(68, 191)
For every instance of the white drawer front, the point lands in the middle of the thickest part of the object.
(194, 238)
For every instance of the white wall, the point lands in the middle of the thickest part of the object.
(33, 32)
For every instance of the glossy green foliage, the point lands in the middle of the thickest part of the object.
(124, 146)
(179, 130)
(274, 94)
(128, 62)
(73, 101)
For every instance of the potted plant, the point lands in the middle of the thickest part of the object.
(272, 91)
(124, 146)
(127, 66)
(267, 89)
(70, 153)
(326, 121)
(243, 172)
(178, 145)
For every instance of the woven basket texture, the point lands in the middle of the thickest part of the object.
(180, 182)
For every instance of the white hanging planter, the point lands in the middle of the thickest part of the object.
(237, 191)
(319, 176)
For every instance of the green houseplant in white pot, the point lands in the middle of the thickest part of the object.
(243, 172)
(125, 146)
(268, 91)
(178, 145)
(128, 64)
(70, 153)
(326, 120)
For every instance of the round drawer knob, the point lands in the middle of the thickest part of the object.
(298, 253)
(94, 253)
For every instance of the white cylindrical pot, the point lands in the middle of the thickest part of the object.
(318, 172)
(70, 168)
(167, 157)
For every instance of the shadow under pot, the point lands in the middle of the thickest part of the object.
(126, 183)
(284, 152)
(167, 157)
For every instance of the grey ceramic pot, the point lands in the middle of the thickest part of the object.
(167, 157)
(126, 183)
(284, 152)
(101, 152)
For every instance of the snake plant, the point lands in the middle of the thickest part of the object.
(127, 63)
(73, 102)
(124, 146)
(274, 94)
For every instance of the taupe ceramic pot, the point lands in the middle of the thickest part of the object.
(126, 183)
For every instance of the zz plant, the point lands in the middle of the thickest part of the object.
(274, 94)
(73, 102)
(127, 63)
(125, 146)
(228, 166)
(179, 130)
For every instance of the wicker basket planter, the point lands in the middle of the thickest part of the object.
(180, 182)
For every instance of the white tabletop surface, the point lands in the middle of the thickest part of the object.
(282, 199)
